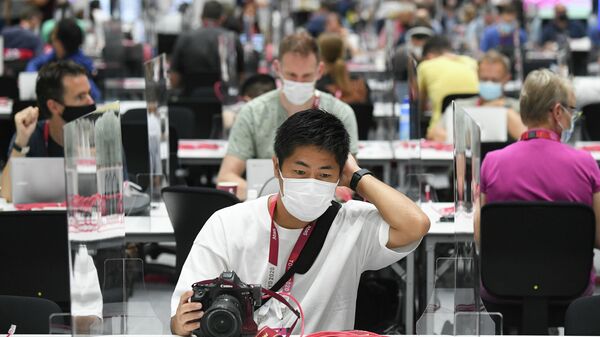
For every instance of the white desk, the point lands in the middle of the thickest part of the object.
(376, 153)
(129, 105)
(5, 108)
(201, 151)
(592, 147)
(212, 151)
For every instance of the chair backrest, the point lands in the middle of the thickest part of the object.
(31, 315)
(137, 157)
(189, 208)
(34, 256)
(582, 317)
(536, 249)
(364, 118)
(206, 116)
(591, 121)
(449, 98)
(166, 43)
(9, 87)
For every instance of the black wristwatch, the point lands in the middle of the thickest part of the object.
(357, 176)
(22, 150)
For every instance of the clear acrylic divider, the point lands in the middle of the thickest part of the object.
(94, 184)
(129, 310)
(471, 317)
(157, 86)
(438, 316)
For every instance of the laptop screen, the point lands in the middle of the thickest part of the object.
(38, 180)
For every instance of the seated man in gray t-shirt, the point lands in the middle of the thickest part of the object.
(253, 132)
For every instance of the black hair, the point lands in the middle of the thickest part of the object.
(313, 127)
(437, 44)
(49, 83)
(70, 35)
(212, 10)
(257, 85)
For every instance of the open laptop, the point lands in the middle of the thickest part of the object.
(35, 255)
(260, 176)
(491, 120)
(26, 83)
(38, 180)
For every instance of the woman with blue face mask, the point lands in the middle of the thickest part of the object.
(540, 166)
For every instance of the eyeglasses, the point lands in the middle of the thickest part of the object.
(575, 115)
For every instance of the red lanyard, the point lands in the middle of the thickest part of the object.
(46, 133)
(274, 248)
(540, 133)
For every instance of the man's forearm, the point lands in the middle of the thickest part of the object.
(405, 218)
(234, 178)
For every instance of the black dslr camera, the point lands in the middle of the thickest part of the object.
(228, 305)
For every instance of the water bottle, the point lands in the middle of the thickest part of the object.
(404, 120)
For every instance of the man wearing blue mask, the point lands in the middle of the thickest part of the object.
(63, 95)
(261, 239)
(252, 134)
(493, 73)
(501, 36)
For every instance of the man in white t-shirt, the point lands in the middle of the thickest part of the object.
(311, 159)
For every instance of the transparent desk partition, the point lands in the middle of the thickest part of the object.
(454, 306)
(103, 277)
(159, 149)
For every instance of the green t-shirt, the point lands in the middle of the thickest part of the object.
(253, 133)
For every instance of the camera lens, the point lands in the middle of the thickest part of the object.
(223, 318)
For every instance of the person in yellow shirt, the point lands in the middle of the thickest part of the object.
(443, 73)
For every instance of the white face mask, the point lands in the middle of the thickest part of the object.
(306, 199)
(298, 93)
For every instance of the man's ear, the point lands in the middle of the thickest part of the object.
(276, 167)
(54, 107)
(277, 67)
(320, 70)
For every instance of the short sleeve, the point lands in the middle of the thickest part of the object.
(241, 142)
(594, 173)
(484, 176)
(348, 118)
(207, 259)
(374, 237)
(421, 76)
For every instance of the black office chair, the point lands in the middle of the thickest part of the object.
(31, 315)
(582, 317)
(166, 43)
(537, 254)
(134, 134)
(487, 147)
(364, 118)
(591, 121)
(206, 113)
(9, 87)
(189, 208)
(35, 256)
(449, 98)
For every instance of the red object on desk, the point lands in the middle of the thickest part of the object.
(198, 146)
(39, 205)
(428, 144)
(590, 148)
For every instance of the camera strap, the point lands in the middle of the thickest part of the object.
(310, 248)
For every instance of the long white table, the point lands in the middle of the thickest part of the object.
(370, 153)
